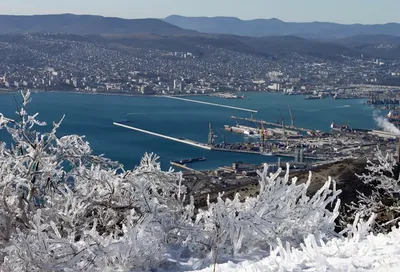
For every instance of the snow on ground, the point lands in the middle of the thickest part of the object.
(370, 253)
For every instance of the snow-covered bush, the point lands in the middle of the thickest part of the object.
(383, 178)
(282, 210)
(359, 251)
(65, 209)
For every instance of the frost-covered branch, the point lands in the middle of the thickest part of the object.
(281, 210)
(383, 200)
(359, 251)
(381, 173)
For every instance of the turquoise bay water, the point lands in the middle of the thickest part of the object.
(93, 115)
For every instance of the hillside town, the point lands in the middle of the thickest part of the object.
(51, 62)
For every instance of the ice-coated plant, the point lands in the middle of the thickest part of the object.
(383, 178)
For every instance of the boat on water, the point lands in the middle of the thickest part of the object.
(337, 127)
(186, 161)
(251, 133)
(313, 97)
(318, 96)
(246, 131)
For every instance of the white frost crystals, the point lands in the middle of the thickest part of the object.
(64, 209)
(282, 210)
(383, 179)
(360, 251)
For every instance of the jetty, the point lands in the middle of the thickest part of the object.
(235, 150)
(182, 164)
(180, 140)
(211, 104)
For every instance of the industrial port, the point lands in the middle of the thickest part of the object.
(305, 149)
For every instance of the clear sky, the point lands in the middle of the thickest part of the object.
(341, 11)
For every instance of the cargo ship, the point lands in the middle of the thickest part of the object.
(313, 97)
(251, 133)
(317, 96)
(186, 161)
(247, 131)
(337, 127)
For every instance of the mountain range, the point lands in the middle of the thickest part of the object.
(273, 27)
(268, 38)
(180, 25)
(85, 24)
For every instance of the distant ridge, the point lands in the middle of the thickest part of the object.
(273, 27)
(84, 24)
(322, 40)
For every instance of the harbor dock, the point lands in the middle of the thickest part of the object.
(180, 140)
(272, 124)
(212, 147)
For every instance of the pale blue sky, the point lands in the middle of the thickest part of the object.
(342, 11)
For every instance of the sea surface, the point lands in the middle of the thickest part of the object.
(93, 116)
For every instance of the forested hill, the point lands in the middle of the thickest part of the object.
(85, 24)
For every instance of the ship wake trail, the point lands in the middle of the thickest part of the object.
(145, 113)
(334, 108)
(344, 106)
(384, 124)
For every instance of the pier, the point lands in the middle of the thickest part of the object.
(236, 151)
(183, 166)
(272, 124)
(180, 140)
(211, 104)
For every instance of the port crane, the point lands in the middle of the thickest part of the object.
(282, 122)
(223, 138)
(211, 135)
(263, 138)
(283, 128)
(291, 117)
